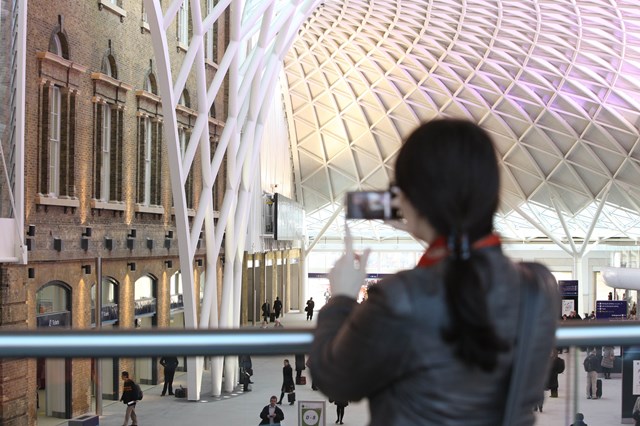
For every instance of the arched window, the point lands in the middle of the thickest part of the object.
(184, 134)
(210, 48)
(183, 25)
(150, 84)
(145, 290)
(53, 298)
(109, 300)
(109, 66)
(109, 102)
(56, 163)
(185, 99)
(58, 45)
(149, 173)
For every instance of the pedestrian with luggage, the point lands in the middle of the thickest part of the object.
(288, 386)
(591, 367)
(310, 305)
(450, 329)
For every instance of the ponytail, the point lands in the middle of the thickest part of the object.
(470, 332)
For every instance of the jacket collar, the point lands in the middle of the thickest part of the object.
(438, 250)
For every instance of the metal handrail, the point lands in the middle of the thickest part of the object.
(170, 342)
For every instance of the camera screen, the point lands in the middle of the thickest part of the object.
(370, 205)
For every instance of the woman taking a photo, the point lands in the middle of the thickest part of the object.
(435, 345)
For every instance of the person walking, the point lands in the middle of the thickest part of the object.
(455, 315)
(170, 363)
(277, 307)
(287, 381)
(591, 367)
(608, 358)
(310, 305)
(129, 398)
(271, 414)
(266, 310)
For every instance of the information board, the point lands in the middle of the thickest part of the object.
(611, 309)
(569, 293)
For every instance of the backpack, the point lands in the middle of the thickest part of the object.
(559, 365)
(588, 365)
(138, 392)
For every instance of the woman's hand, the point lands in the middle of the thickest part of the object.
(348, 274)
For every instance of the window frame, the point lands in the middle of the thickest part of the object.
(105, 167)
(54, 141)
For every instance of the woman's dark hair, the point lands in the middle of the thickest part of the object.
(448, 170)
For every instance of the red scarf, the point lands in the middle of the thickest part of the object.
(438, 250)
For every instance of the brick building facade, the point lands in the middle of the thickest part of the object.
(96, 186)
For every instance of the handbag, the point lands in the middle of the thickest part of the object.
(291, 397)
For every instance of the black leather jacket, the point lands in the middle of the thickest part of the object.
(390, 350)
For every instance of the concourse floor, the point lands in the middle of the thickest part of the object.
(242, 409)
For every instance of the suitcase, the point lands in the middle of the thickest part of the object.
(291, 397)
(302, 380)
(599, 388)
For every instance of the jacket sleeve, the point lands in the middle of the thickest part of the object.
(360, 348)
(279, 415)
(264, 414)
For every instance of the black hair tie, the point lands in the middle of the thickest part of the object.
(459, 246)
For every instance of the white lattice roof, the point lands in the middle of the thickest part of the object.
(555, 82)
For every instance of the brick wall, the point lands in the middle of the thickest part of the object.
(92, 34)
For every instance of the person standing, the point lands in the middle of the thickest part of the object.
(300, 365)
(608, 358)
(246, 371)
(287, 381)
(340, 405)
(271, 414)
(266, 310)
(277, 307)
(455, 315)
(591, 367)
(170, 363)
(310, 305)
(327, 296)
(129, 398)
(557, 367)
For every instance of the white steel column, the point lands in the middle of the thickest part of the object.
(261, 32)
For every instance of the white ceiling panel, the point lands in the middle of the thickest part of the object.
(556, 83)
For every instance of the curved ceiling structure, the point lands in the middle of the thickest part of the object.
(555, 82)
